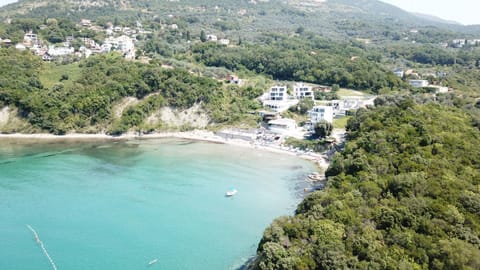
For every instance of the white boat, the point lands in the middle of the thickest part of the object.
(231, 192)
(316, 177)
(152, 261)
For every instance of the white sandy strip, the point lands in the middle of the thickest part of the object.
(198, 135)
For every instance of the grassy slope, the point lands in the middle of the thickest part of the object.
(51, 73)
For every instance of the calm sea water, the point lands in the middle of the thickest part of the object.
(120, 205)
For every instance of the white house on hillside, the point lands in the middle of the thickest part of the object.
(123, 44)
(301, 91)
(277, 99)
(399, 72)
(30, 39)
(418, 83)
(319, 113)
(211, 37)
(234, 79)
(224, 41)
(278, 93)
(60, 51)
(439, 89)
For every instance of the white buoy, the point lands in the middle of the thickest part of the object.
(39, 242)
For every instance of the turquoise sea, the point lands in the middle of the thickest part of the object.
(120, 205)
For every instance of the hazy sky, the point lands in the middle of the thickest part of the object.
(4, 2)
(462, 11)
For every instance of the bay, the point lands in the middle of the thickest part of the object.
(120, 205)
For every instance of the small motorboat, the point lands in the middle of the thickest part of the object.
(153, 261)
(316, 177)
(231, 192)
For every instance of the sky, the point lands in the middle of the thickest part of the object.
(462, 11)
(4, 2)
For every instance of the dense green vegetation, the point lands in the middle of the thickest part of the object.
(106, 79)
(309, 59)
(403, 195)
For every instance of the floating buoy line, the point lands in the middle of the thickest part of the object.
(40, 243)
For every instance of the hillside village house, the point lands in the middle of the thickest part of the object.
(85, 23)
(123, 44)
(302, 91)
(319, 113)
(233, 79)
(20, 47)
(399, 72)
(30, 39)
(211, 38)
(439, 89)
(60, 51)
(418, 83)
(224, 41)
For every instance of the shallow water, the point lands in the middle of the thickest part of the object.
(120, 205)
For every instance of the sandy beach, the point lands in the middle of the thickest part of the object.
(198, 135)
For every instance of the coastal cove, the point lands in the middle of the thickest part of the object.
(122, 203)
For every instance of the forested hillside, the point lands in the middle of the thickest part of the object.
(403, 195)
(340, 19)
(87, 103)
(308, 59)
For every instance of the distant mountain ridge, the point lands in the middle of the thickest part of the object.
(435, 18)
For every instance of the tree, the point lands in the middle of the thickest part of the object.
(323, 129)
(303, 106)
(300, 30)
(203, 37)
(335, 87)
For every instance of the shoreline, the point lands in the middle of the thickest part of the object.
(195, 135)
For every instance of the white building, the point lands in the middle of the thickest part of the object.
(301, 91)
(278, 93)
(86, 23)
(280, 105)
(20, 47)
(224, 41)
(277, 99)
(439, 89)
(319, 113)
(121, 44)
(211, 38)
(106, 48)
(458, 43)
(30, 39)
(399, 73)
(282, 126)
(418, 83)
(60, 51)
(85, 51)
